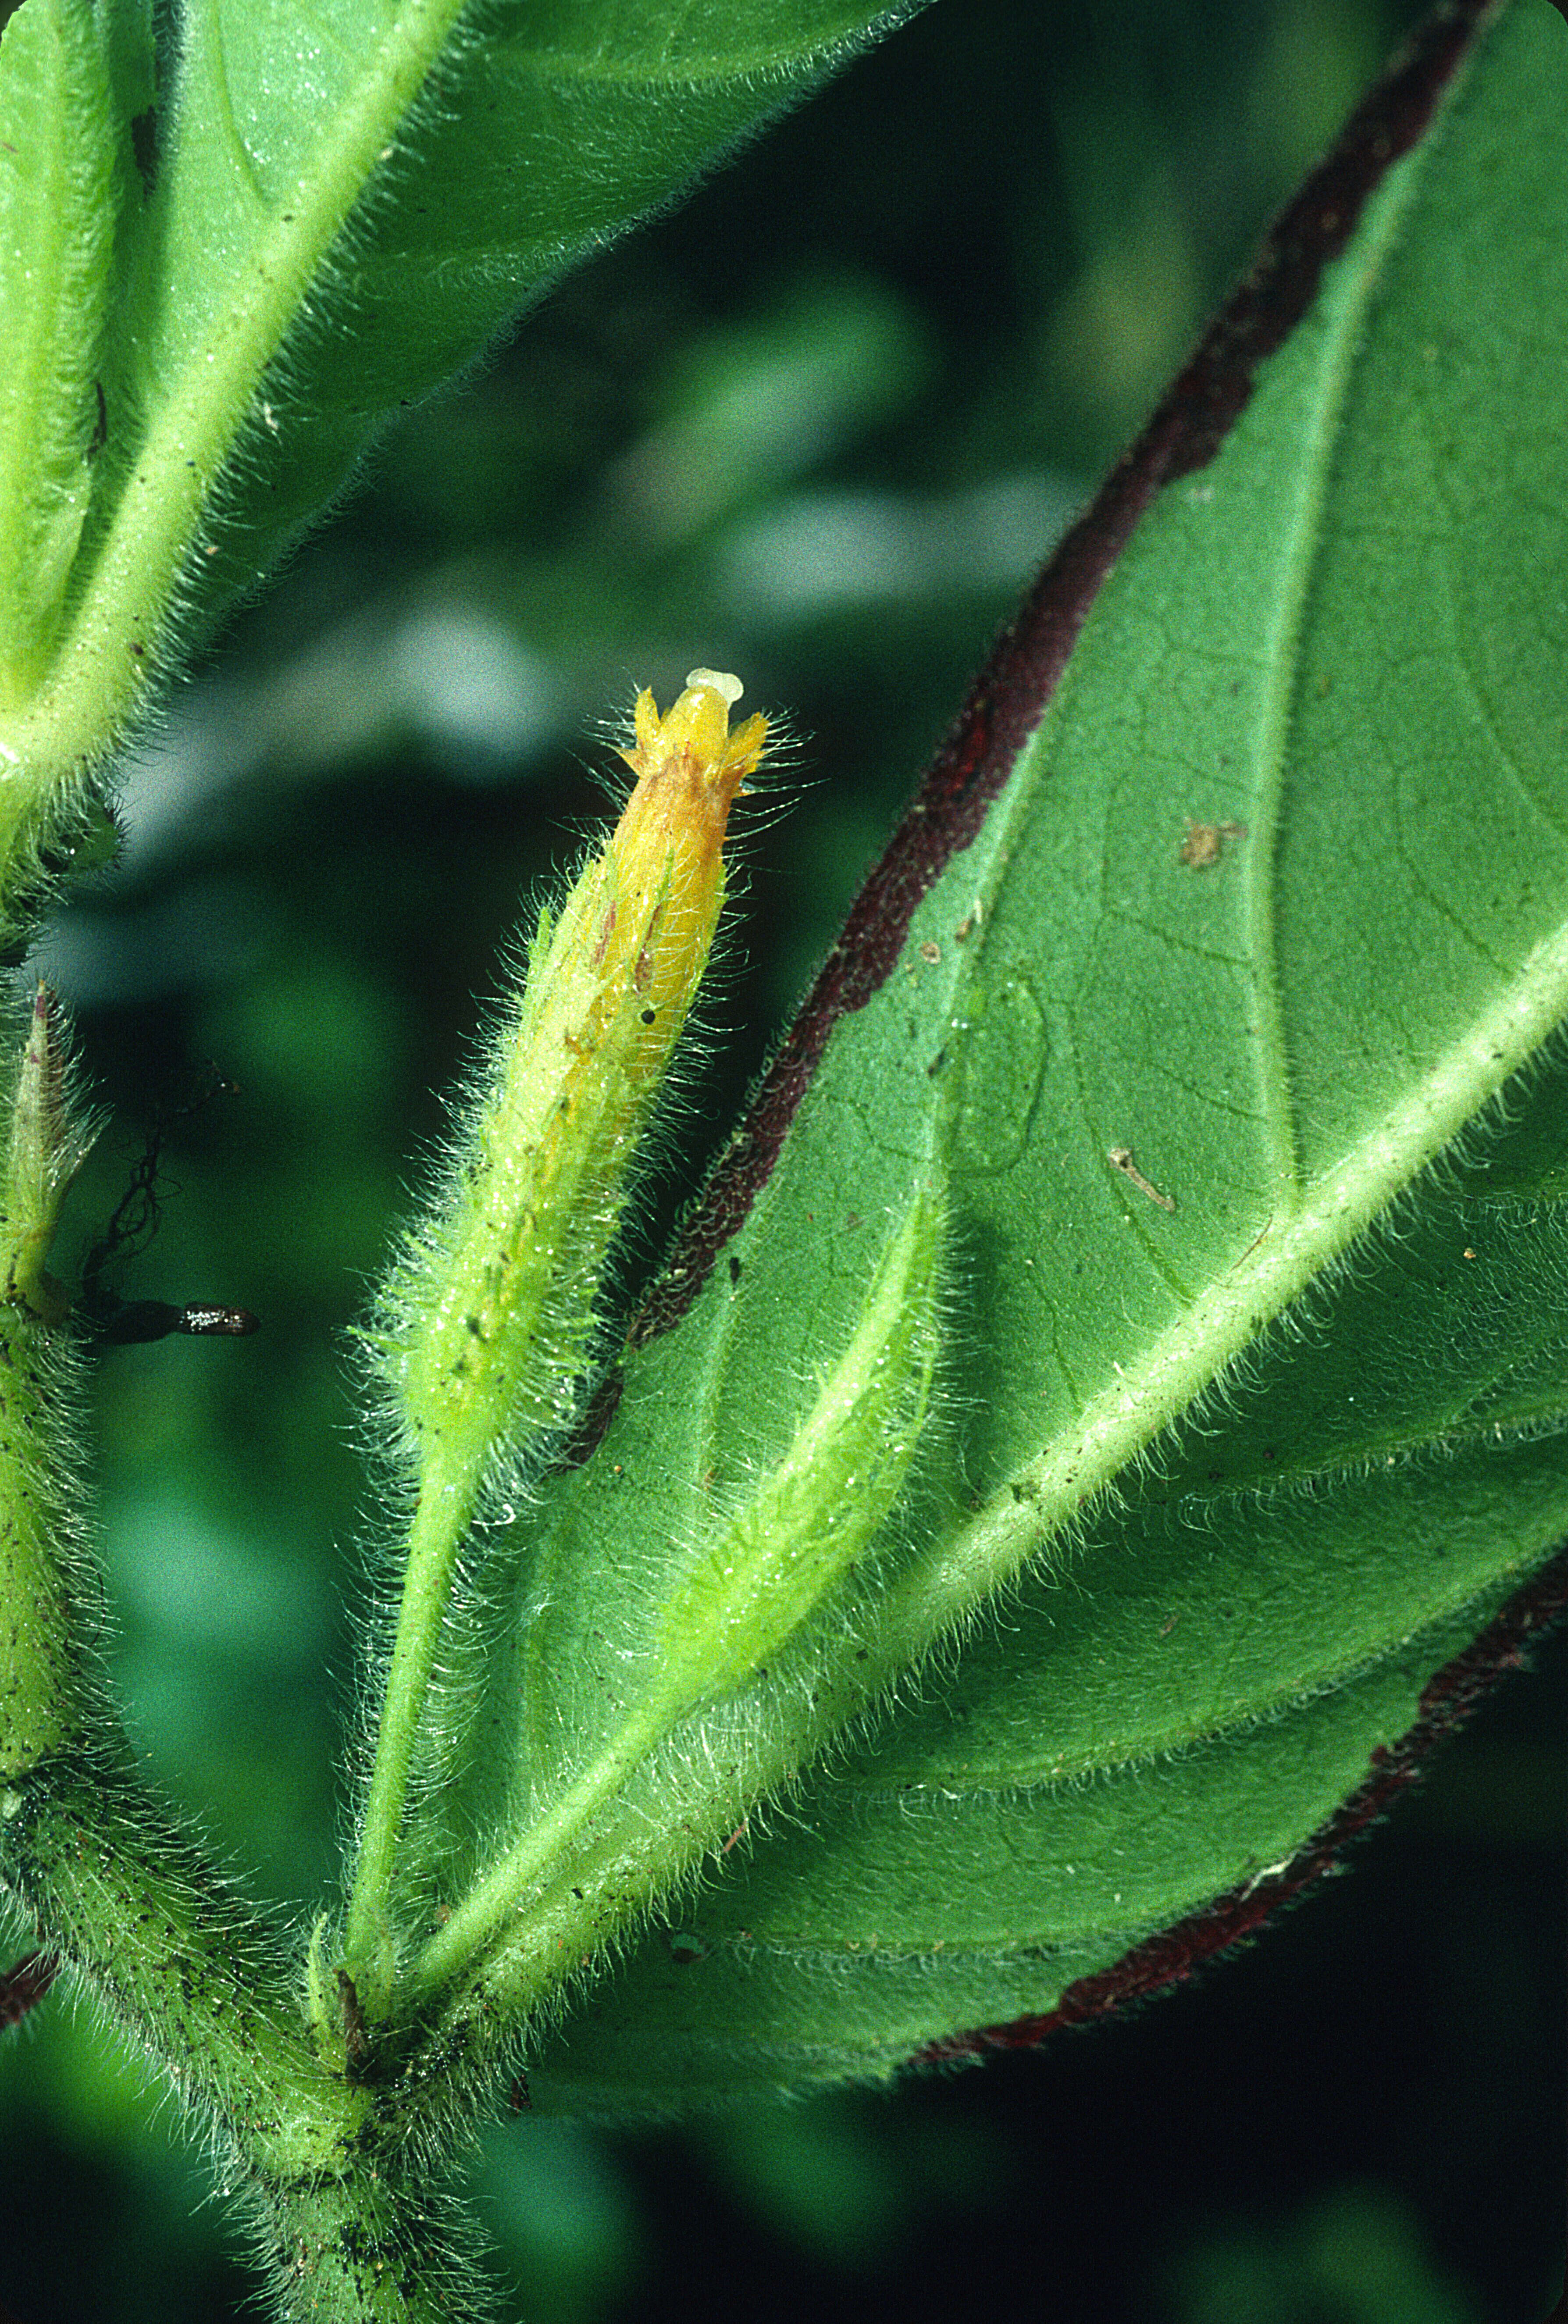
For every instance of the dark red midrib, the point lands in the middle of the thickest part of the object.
(1010, 697)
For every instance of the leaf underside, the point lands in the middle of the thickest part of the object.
(601, 112)
(317, 221)
(1231, 1018)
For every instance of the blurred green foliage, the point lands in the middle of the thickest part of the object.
(1353, 2257)
(818, 427)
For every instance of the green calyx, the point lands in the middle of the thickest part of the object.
(771, 1567)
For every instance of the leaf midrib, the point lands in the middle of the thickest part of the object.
(1186, 1360)
(985, 1553)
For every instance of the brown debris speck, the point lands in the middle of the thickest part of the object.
(1120, 1158)
(1206, 841)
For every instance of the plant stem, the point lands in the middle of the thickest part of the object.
(195, 1975)
(188, 1966)
(441, 1518)
(367, 2248)
(48, 1596)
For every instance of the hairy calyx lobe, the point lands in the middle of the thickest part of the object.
(782, 1554)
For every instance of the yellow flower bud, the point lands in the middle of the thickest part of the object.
(624, 960)
(689, 768)
(487, 1325)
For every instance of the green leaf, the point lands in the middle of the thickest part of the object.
(336, 217)
(57, 216)
(474, 163)
(1235, 1020)
(1175, 1715)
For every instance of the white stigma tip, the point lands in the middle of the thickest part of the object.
(723, 681)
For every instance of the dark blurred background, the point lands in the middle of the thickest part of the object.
(819, 426)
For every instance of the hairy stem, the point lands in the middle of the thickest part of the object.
(367, 2248)
(195, 1976)
(441, 1518)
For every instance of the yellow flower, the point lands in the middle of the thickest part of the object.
(487, 1324)
(666, 851)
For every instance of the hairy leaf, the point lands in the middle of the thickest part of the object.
(1232, 1016)
(331, 211)
(56, 215)
(464, 156)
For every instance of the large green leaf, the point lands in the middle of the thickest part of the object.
(1257, 1362)
(473, 154)
(1176, 1713)
(331, 211)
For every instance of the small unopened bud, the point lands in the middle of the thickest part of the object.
(47, 1149)
(773, 1565)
